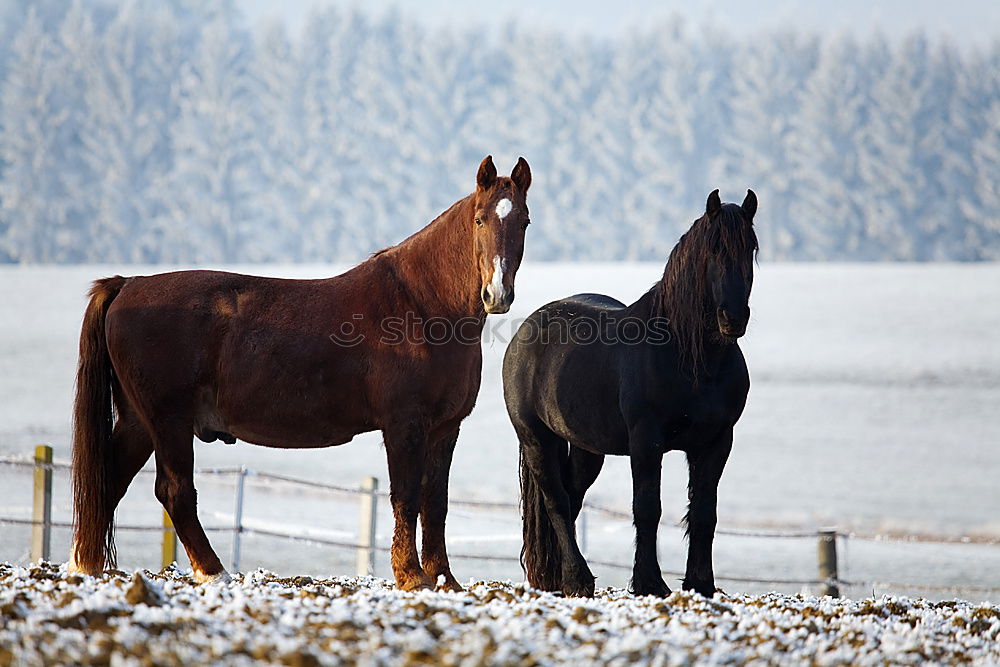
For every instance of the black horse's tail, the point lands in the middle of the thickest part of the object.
(93, 421)
(541, 557)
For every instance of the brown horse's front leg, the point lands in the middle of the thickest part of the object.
(434, 511)
(405, 448)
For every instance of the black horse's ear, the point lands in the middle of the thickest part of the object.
(487, 174)
(521, 175)
(714, 204)
(750, 204)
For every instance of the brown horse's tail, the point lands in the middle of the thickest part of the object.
(541, 557)
(93, 420)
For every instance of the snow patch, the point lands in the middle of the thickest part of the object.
(50, 616)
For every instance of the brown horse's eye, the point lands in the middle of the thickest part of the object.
(479, 221)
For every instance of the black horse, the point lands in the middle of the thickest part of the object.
(589, 376)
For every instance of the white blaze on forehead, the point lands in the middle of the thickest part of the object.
(496, 284)
(503, 208)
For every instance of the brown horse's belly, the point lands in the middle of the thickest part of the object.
(277, 441)
(298, 438)
(276, 430)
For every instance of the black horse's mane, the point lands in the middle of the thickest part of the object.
(683, 295)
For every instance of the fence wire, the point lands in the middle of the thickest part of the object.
(28, 463)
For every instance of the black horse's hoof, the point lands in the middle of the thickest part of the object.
(581, 590)
(579, 585)
(704, 588)
(654, 587)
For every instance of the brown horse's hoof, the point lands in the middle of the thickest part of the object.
(217, 578)
(448, 584)
(74, 567)
(421, 582)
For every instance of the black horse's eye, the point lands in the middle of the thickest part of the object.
(526, 223)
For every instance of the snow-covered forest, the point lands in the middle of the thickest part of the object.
(170, 131)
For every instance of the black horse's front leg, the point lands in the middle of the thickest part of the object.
(705, 468)
(646, 459)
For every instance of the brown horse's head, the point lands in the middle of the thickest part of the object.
(499, 221)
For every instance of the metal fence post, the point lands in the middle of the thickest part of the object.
(238, 519)
(827, 560)
(365, 565)
(41, 512)
(169, 550)
(581, 530)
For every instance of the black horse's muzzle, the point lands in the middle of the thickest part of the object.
(733, 324)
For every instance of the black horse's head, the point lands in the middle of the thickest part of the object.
(705, 290)
(731, 247)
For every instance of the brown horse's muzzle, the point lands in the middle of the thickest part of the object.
(498, 293)
(497, 304)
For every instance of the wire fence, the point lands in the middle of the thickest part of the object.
(240, 525)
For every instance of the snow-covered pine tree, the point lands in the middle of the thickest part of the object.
(41, 213)
(207, 195)
(768, 77)
(124, 131)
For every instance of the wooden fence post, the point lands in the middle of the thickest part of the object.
(169, 552)
(827, 560)
(41, 513)
(365, 564)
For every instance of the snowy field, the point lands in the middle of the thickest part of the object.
(49, 618)
(872, 410)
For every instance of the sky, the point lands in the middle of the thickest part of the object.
(966, 23)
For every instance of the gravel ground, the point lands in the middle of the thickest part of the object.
(142, 618)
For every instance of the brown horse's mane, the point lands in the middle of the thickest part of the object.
(683, 294)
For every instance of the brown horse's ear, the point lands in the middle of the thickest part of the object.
(714, 204)
(521, 175)
(487, 175)
(750, 204)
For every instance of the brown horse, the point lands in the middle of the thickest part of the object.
(391, 345)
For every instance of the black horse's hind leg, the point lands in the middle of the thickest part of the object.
(646, 460)
(546, 457)
(704, 469)
(584, 467)
(434, 510)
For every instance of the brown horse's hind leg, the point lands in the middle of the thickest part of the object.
(175, 491)
(405, 448)
(131, 447)
(434, 511)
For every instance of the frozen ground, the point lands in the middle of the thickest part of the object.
(51, 618)
(873, 409)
